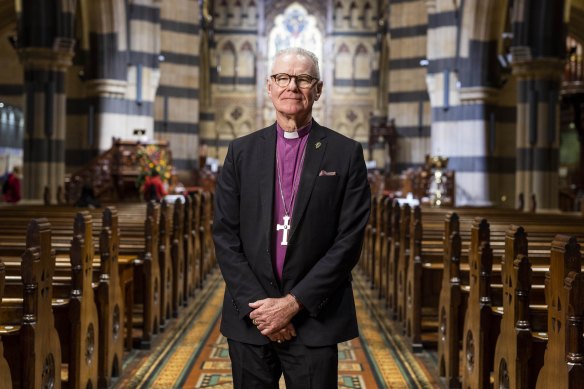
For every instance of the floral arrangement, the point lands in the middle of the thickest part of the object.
(152, 158)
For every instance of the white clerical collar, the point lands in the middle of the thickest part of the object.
(291, 135)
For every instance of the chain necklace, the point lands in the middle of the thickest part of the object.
(285, 226)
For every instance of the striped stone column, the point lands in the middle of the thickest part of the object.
(538, 90)
(45, 113)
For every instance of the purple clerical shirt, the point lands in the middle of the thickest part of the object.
(289, 152)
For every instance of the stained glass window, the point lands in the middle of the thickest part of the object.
(295, 28)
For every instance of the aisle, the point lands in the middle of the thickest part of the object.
(197, 356)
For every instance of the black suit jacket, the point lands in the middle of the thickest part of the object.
(325, 239)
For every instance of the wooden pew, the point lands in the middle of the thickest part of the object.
(423, 282)
(140, 279)
(513, 364)
(190, 281)
(110, 302)
(165, 262)
(5, 375)
(482, 324)
(477, 337)
(179, 297)
(402, 263)
(449, 306)
(76, 314)
(563, 361)
(392, 260)
(31, 342)
(385, 245)
(377, 263)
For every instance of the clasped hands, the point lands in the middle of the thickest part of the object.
(272, 317)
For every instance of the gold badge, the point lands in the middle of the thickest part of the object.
(317, 145)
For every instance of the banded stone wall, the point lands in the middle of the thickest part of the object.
(407, 95)
(176, 111)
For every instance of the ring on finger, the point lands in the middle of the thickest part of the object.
(255, 322)
(279, 340)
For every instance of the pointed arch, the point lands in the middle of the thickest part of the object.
(362, 61)
(354, 15)
(251, 13)
(368, 21)
(227, 62)
(222, 13)
(339, 14)
(246, 65)
(343, 63)
(236, 13)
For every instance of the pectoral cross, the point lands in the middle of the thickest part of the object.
(286, 228)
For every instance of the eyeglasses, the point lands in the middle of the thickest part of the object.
(303, 81)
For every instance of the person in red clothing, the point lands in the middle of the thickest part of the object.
(11, 187)
(153, 187)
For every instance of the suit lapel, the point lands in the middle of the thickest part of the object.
(315, 150)
(266, 153)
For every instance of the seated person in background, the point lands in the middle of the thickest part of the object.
(153, 187)
(11, 186)
(87, 198)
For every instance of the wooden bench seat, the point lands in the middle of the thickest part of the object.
(31, 343)
(105, 285)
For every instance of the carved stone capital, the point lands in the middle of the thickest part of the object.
(43, 58)
(106, 87)
(481, 94)
(540, 68)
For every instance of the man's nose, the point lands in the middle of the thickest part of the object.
(292, 85)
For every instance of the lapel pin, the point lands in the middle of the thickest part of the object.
(317, 145)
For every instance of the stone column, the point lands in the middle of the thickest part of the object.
(538, 91)
(476, 138)
(45, 113)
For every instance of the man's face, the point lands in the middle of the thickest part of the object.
(292, 101)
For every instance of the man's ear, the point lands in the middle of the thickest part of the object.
(318, 90)
(269, 87)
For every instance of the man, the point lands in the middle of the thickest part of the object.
(11, 186)
(292, 202)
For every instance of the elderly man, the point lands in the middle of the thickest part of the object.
(292, 202)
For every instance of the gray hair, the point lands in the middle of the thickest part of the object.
(303, 52)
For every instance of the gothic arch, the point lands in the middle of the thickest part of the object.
(339, 14)
(246, 61)
(362, 65)
(343, 63)
(367, 15)
(227, 64)
(354, 14)
(251, 13)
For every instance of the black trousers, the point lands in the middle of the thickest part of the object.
(260, 367)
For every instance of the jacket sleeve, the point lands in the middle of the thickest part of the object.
(334, 268)
(242, 283)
